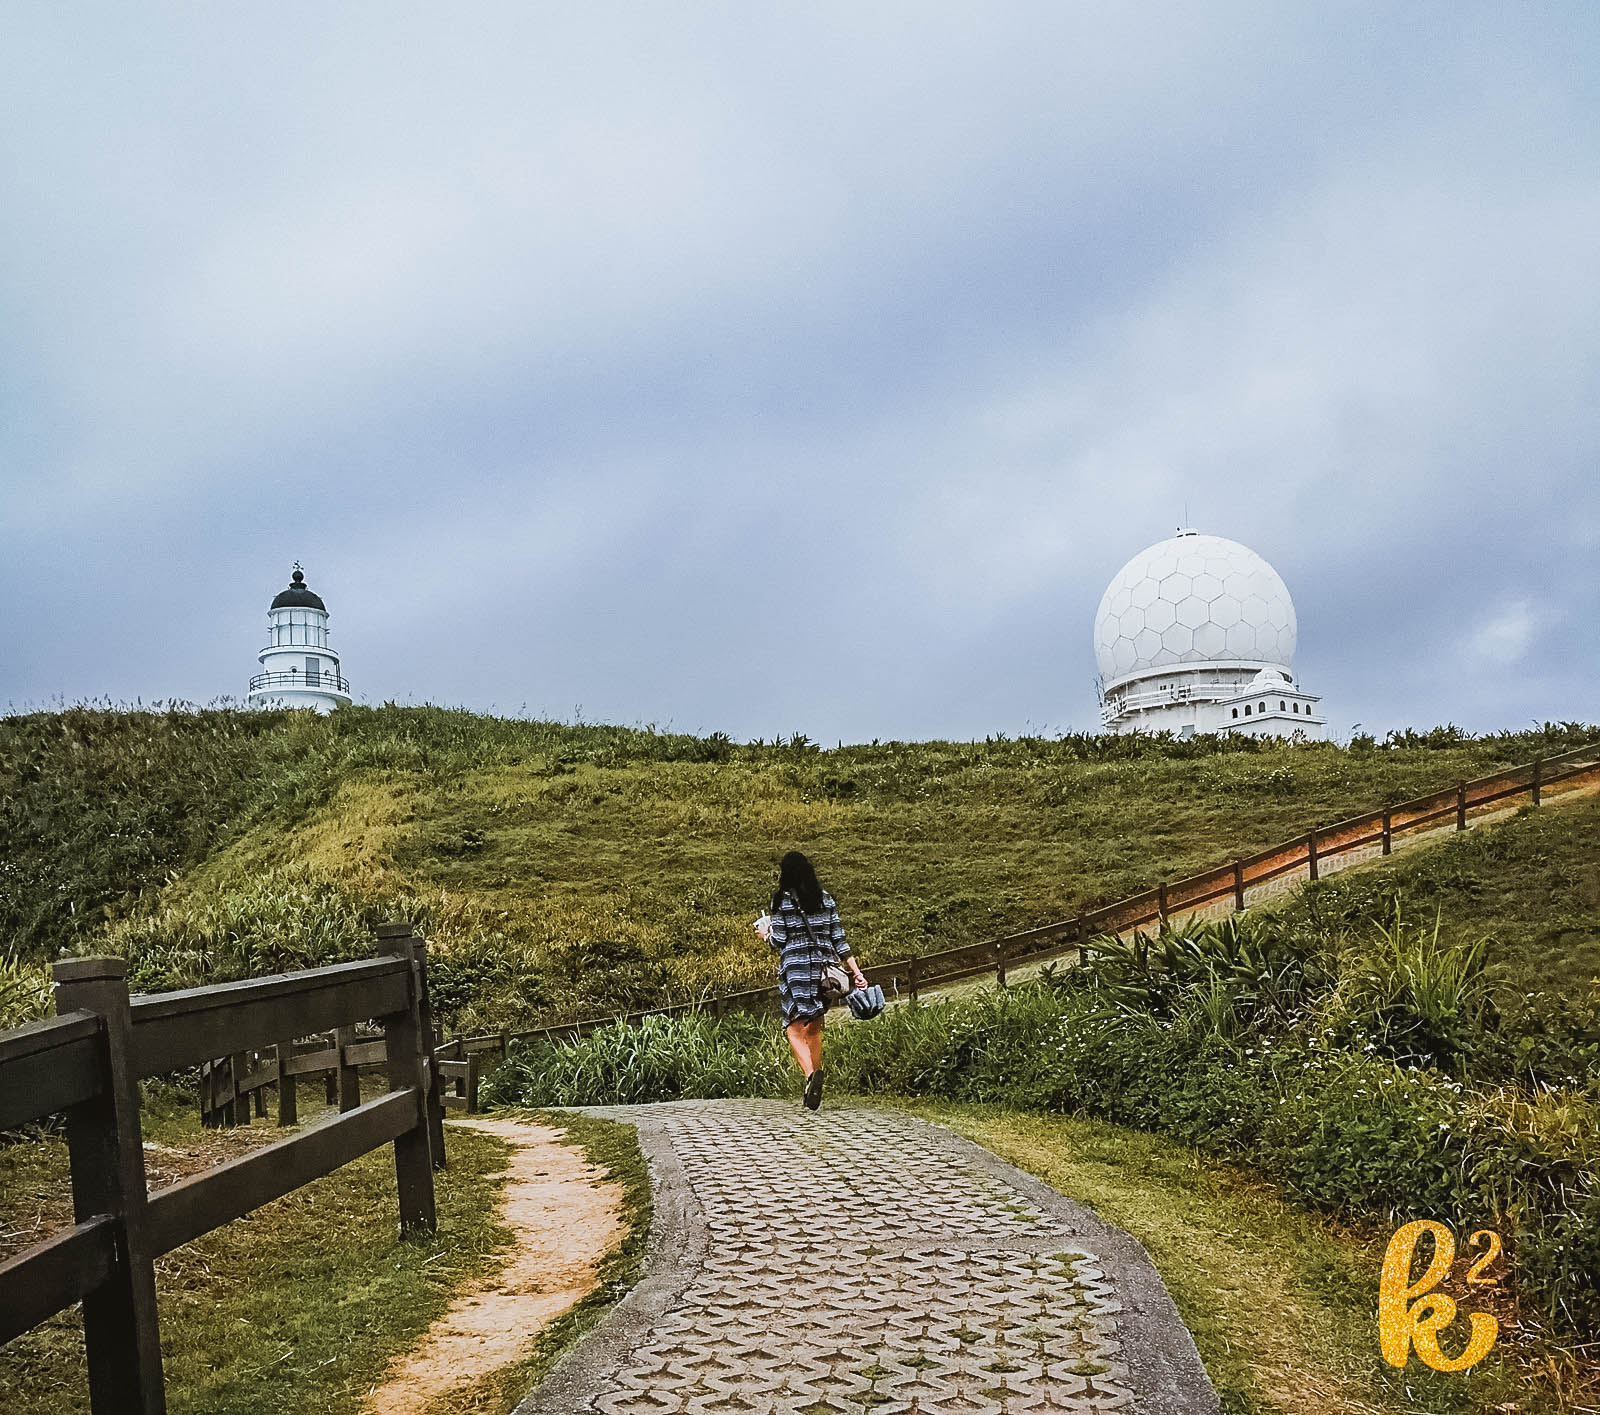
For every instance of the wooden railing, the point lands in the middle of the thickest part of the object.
(1313, 852)
(87, 1062)
(233, 1087)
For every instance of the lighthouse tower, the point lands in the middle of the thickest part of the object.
(298, 669)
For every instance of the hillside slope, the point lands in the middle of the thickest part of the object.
(567, 869)
(1528, 886)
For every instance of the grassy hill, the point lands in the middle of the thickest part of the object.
(1529, 887)
(565, 869)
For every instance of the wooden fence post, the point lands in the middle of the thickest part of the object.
(288, 1109)
(911, 978)
(1388, 831)
(330, 1079)
(1000, 965)
(1082, 932)
(1238, 886)
(1311, 853)
(407, 942)
(106, 1144)
(1538, 778)
(239, 1111)
(1161, 901)
(406, 1047)
(346, 1077)
(1461, 806)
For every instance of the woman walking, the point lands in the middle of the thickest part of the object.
(806, 934)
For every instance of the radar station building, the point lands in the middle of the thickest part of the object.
(1197, 634)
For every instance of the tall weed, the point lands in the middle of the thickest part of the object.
(1410, 996)
(689, 1057)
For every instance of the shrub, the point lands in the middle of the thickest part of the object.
(1415, 999)
(280, 921)
(1247, 968)
(24, 990)
(658, 1059)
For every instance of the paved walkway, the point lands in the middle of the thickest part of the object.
(861, 1262)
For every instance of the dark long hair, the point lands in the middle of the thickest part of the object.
(798, 880)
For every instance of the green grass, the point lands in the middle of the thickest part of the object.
(686, 1057)
(1529, 886)
(565, 871)
(295, 1308)
(1281, 1301)
(302, 1305)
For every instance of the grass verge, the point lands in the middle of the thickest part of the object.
(612, 1148)
(295, 1308)
(1281, 1301)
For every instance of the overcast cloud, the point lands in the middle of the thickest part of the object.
(805, 368)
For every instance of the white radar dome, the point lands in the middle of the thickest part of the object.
(1193, 599)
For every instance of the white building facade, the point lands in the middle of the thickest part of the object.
(1197, 634)
(299, 668)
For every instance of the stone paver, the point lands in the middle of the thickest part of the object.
(861, 1262)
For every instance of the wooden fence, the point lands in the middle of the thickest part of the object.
(1227, 885)
(87, 1062)
(234, 1088)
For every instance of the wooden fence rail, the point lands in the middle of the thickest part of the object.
(87, 1062)
(234, 1088)
(1312, 852)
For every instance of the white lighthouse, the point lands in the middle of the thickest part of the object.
(298, 668)
(1197, 634)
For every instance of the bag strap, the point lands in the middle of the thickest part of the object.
(805, 923)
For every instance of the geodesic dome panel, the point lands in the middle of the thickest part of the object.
(1193, 599)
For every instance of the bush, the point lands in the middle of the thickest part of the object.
(1353, 1132)
(24, 990)
(1408, 996)
(280, 921)
(1245, 970)
(689, 1057)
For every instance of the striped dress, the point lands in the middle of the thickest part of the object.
(802, 955)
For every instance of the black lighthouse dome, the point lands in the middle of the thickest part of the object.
(299, 595)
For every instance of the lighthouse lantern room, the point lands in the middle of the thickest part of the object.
(298, 668)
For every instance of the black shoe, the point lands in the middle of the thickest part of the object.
(813, 1096)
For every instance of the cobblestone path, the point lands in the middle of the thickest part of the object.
(861, 1262)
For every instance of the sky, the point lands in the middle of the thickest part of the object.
(777, 368)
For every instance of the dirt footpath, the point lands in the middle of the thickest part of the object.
(565, 1217)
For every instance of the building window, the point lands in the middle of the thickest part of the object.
(1236, 712)
(1282, 706)
(1247, 709)
(1295, 708)
(1263, 707)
